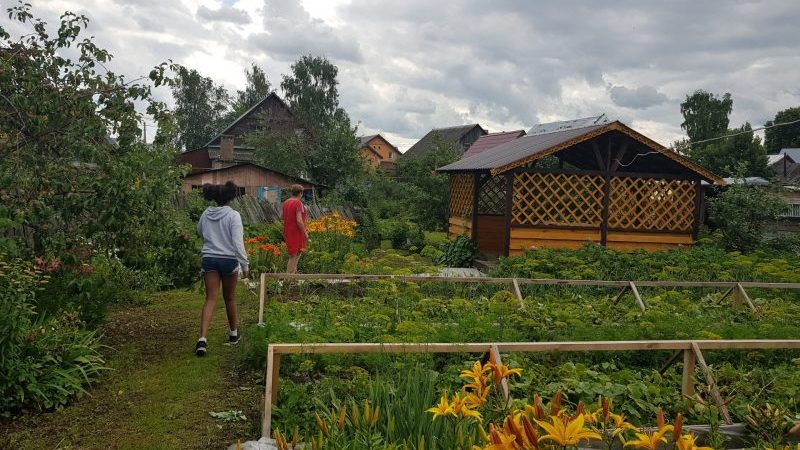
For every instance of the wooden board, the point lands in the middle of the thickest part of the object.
(491, 233)
(645, 237)
(526, 238)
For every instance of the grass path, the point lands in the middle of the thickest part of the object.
(158, 394)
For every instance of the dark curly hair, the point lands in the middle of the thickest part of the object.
(221, 194)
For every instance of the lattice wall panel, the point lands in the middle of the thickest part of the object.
(461, 186)
(651, 204)
(557, 199)
(492, 198)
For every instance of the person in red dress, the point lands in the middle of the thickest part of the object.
(294, 227)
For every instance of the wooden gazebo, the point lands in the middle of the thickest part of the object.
(603, 183)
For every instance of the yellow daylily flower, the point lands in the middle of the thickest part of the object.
(442, 409)
(650, 441)
(687, 442)
(500, 440)
(460, 408)
(566, 432)
(477, 371)
(501, 371)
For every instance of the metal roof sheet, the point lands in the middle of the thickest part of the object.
(515, 150)
(792, 153)
(562, 125)
(492, 140)
(448, 134)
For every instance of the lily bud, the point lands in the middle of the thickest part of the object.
(660, 418)
(676, 432)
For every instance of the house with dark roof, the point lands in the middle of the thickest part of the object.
(613, 186)
(492, 140)
(228, 157)
(786, 164)
(378, 152)
(461, 137)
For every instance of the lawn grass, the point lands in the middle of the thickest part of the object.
(158, 394)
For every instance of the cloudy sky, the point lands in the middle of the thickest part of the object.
(407, 66)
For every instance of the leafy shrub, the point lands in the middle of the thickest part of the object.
(271, 232)
(44, 362)
(458, 252)
(403, 235)
(368, 231)
(431, 252)
(741, 212)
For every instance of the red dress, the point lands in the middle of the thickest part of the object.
(292, 234)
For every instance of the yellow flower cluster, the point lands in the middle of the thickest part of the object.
(333, 223)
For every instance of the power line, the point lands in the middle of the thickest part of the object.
(689, 144)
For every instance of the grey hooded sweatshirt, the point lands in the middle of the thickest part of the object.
(223, 234)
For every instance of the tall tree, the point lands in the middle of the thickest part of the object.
(705, 115)
(787, 136)
(327, 150)
(740, 154)
(256, 88)
(200, 108)
(311, 90)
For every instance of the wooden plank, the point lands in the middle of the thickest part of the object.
(687, 382)
(698, 208)
(494, 357)
(476, 193)
(535, 281)
(509, 204)
(647, 237)
(556, 233)
(568, 346)
(712, 384)
(637, 296)
(725, 295)
(633, 246)
(672, 359)
(262, 297)
(266, 423)
(741, 295)
(516, 289)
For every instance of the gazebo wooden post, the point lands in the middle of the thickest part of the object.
(509, 203)
(476, 194)
(605, 168)
(698, 208)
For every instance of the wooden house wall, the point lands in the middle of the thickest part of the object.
(280, 120)
(459, 226)
(470, 137)
(247, 176)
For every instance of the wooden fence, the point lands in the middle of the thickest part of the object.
(734, 289)
(690, 350)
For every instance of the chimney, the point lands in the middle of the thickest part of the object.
(226, 148)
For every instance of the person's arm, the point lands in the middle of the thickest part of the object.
(300, 223)
(237, 232)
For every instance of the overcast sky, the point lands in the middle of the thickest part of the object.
(407, 66)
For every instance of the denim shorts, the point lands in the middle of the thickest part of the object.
(225, 266)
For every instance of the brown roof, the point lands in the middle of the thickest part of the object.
(530, 148)
(491, 140)
(449, 134)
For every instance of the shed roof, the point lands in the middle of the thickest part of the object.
(792, 153)
(259, 166)
(772, 159)
(272, 95)
(449, 134)
(491, 140)
(530, 148)
(562, 125)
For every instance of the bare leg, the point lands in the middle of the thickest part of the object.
(212, 291)
(229, 294)
(291, 265)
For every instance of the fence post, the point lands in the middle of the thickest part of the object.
(266, 424)
(689, 361)
(262, 296)
(712, 384)
(494, 357)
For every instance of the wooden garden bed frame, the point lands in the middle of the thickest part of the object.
(691, 350)
(737, 288)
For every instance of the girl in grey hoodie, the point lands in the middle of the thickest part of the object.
(224, 255)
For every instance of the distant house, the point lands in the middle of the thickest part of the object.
(492, 140)
(378, 152)
(227, 157)
(461, 137)
(786, 164)
(252, 179)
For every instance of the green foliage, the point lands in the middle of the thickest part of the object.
(427, 192)
(44, 362)
(737, 155)
(403, 235)
(200, 108)
(705, 115)
(257, 88)
(787, 136)
(741, 212)
(458, 252)
(368, 231)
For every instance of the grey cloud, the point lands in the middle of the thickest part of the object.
(636, 98)
(224, 14)
(291, 32)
